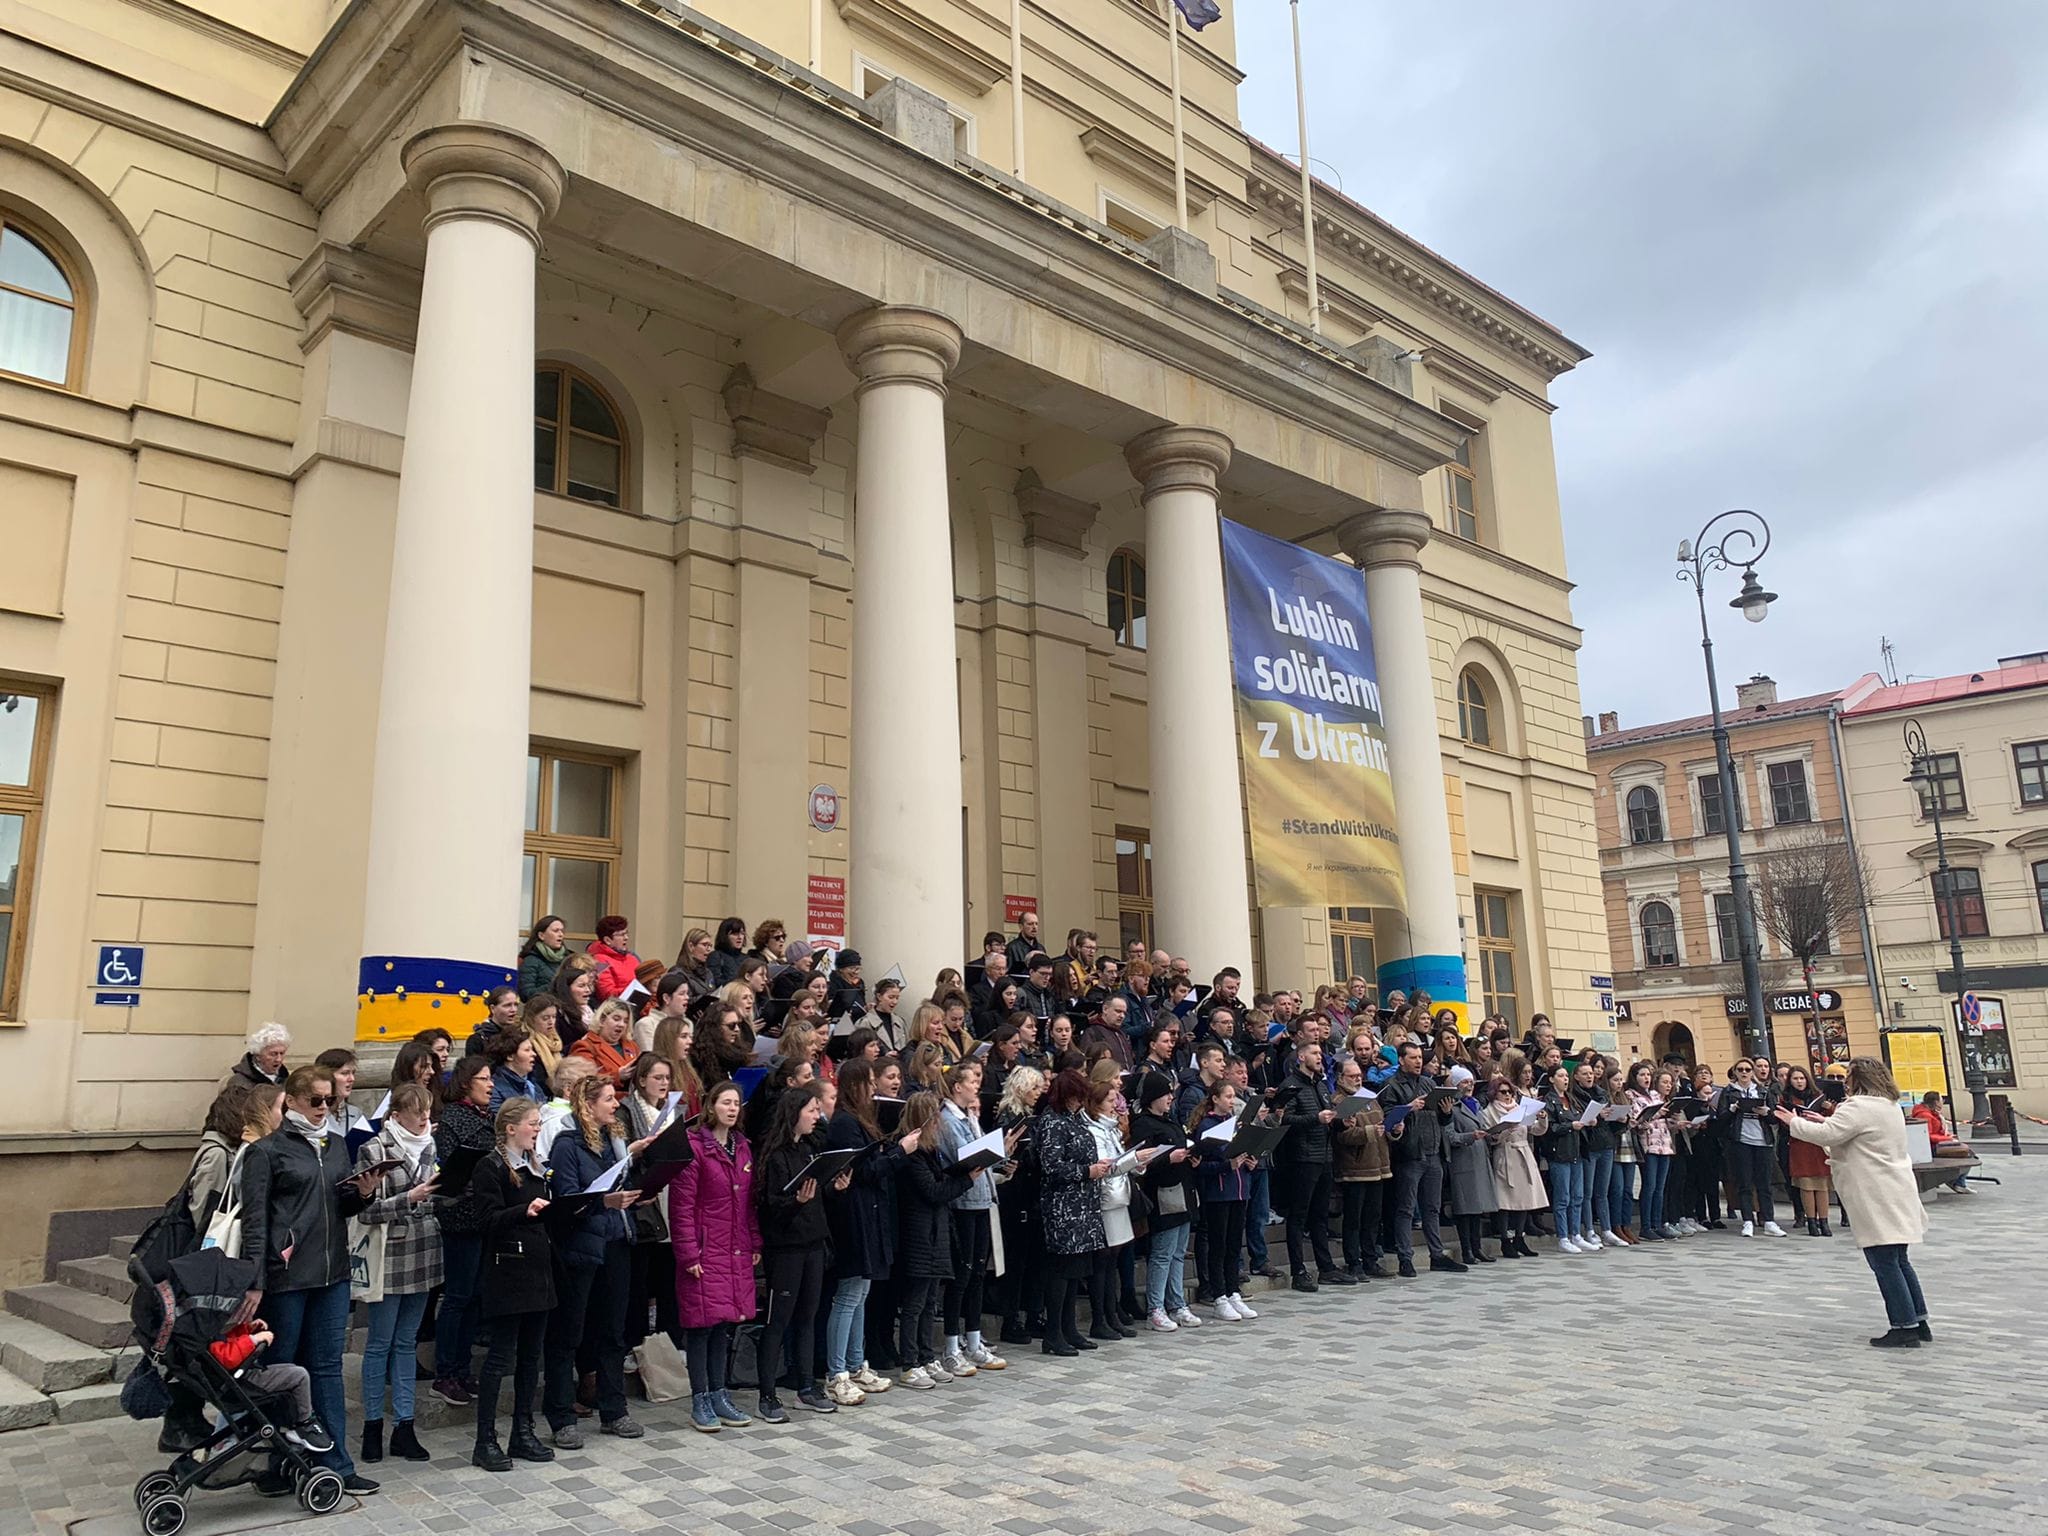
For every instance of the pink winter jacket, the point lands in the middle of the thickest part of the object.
(711, 1223)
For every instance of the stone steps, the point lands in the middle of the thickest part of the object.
(82, 1315)
(48, 1360)
(100, 1275)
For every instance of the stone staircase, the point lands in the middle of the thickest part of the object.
(66, 1343)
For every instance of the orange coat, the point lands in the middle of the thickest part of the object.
(611, 1060)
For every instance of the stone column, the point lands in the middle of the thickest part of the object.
(1387, 544)
(448, 785)
(1200, 894)
(907, 891)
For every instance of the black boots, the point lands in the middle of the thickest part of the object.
(404, 1443)
(373, 1441)
(526, 1445)
(489, 1454)
(1898, 1338)
(1825, 1229)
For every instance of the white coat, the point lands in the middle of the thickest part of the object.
(1866, 1141)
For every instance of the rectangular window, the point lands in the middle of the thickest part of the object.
(1967, 889)
(1724, 925)
(2041, 892)
(573, 842)
(1712, 807)
(2030, 761)
(1462, 489)
(1789, 801)
(24, 767)
(1943, 785)
(1497, 953)
(1351, 948)
(1134, 885)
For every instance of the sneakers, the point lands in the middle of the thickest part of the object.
(843, 1392)
(916, 1379)
(815, 1401)
(703, 1417)
(569, 1438)
(729, 1412)
(310, 1436)
(1611, 1238)
(984, 1357)
(358, 1485)
(1159, 1322)
(957, 1365)
(869, 1381)
(1407, 1269)
(1449, 1265)
(1687, 1227)
(1186, 1318)
(452, 1392)
(1243, 1311)
(1674, 1233)
(936, 1371)
(770, 1411)
(1226, 1310)
(1749, 1229)
(1772, 1229)
(625, 1426)
(1569, 1245)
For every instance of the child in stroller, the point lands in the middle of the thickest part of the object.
(268, 1433)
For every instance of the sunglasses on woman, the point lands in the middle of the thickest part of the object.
(320, 1101)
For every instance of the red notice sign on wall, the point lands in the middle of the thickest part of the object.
(825, 910)
(1014, 907)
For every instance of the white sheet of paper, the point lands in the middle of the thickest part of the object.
(764, 1048)
(1515, 1116)
(383, 1109)
(1222, 1130)
(633, 990)
(1530, 1107)
(1589, 1114)
(992, 1142)
(607, 1181)
(668, 1113)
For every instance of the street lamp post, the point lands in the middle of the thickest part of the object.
(1743, 542)
(1923, 780)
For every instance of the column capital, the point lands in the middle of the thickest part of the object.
(896, 344)
(1178, 459)
(1384, 536)
(476, 171)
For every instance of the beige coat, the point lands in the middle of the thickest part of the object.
(1866, 1140)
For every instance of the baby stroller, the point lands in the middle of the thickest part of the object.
(186, 1310)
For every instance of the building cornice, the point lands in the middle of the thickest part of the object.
(944, 52)
(1145, 167)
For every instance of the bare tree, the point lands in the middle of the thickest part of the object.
(1809, 891)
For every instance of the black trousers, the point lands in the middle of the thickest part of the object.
(972, 1253)
(653, 1283)
(1471, 1236)
(1749, 1171)
(916, 1314)
(707, 1352)
(1708, 1162)
(796, 1281)
(1221, 1260)
(1102, 1284)
(884, 1297)
(1362, 1201)
(1308, 1216)
(589, 1303)
(516, 1345)
(1059, 1303)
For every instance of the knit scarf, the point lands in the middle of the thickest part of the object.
(412, 1148)
(316, 1135)
(553, 956)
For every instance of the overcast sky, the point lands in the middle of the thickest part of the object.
(1808, 246)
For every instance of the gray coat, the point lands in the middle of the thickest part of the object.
(1472, 1191)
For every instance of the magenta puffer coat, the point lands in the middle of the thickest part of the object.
(711, 1222)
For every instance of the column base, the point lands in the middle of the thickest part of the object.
(397, 996)
(1441, 976)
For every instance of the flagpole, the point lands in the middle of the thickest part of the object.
(1308, 210)
(1017, 88)
(818, 36)
(1180, 138)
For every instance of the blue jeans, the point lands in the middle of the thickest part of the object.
(1904, 1306)
(462, 1257)
(1621, 1193)
(311, 1328)
(1163, 1265)
(1568, 1197)
(1597, 1168)
(1656, 1178)
(390, 1355)
(1258, 1210)
(846, 1348)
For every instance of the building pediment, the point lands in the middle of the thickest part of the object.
(1143, 166)
(1929, 852)
(913, 36)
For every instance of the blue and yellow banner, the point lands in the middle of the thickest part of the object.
(1314, 746)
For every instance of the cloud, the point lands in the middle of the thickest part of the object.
(1804, 244)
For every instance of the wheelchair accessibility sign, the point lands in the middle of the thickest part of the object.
(120, 966)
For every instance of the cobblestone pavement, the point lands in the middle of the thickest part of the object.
(1712, 1385)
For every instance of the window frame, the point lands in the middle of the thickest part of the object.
(1969, 904)
(1129, 592)
(544, 846)
(1493, 949)
(2040, 872)
(1715, 824)
(1670, 922)
(2039, 768)
(1656, 810)
(1346, 929)
(1942, 781)
(27, 801)
(570, 374)
(1480, 705)
(1133, 905)
(1726, 932)
(78, 304)
(1462, 471)
(1805, 788)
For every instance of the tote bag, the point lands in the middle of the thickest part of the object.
(367, 1242)
(224, 1227)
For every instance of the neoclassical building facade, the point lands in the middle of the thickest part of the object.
(467, 459)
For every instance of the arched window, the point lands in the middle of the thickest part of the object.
(1127, 599)
(39, 329)
(1660, 934)
(1475, 714)
(579, 438)
(1645, 815)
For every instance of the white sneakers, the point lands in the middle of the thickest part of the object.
(1243, 1311)
(1772, 1229)
(983, 1357)
(1687, 1226)
(1186, 1318)
(1569, 1245)
(1608, 1237)
(843, 1392)
(937, 1372)
(871, 1381)
(956, 1365)
(1225, 1310)
(1161, 1323)
(1749, 1229)
(916, 1379)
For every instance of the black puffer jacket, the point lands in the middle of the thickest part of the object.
(924, 1197)
(462, 1125)
(787, 1222)
(295, 1210)
(1301, 1101)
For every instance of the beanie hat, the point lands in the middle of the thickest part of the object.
(847, 960)
(1151, 1085)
